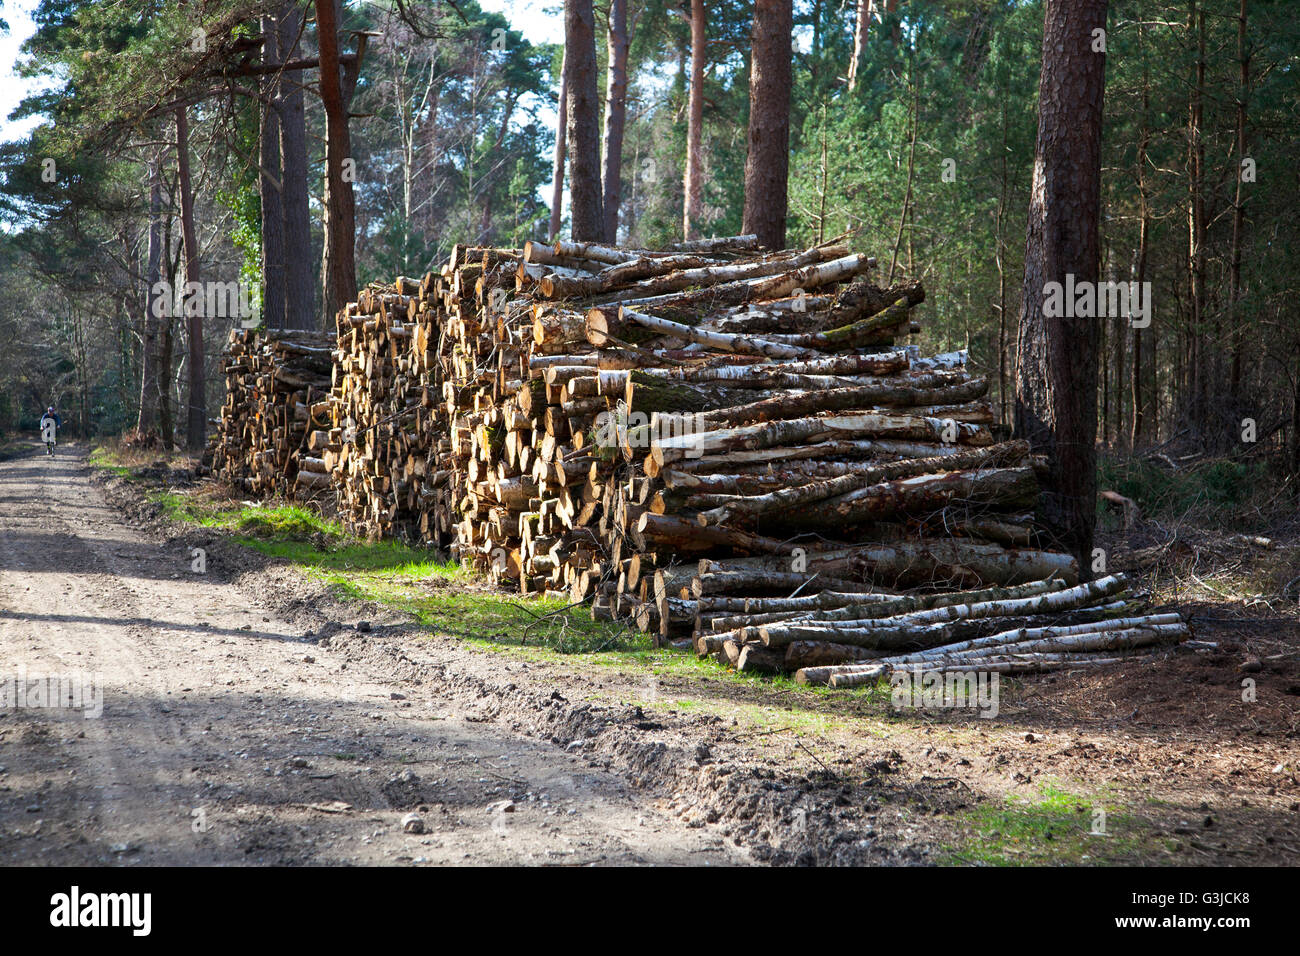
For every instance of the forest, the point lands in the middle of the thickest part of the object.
(198, 140)
(647, 432)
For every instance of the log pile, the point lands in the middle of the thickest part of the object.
(277, 388)
(387, 413)
(846, 642)
(695, 439)
(735, 450)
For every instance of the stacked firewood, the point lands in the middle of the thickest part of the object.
(277, 386)
(735, 450)
(699, 436)
(385, 410)
(483, 485)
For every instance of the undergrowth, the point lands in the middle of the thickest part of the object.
(1213, 490)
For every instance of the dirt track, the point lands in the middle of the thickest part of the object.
(228, 735)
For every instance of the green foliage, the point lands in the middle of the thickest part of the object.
(1216, 487)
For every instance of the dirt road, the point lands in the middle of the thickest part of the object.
(228, 734)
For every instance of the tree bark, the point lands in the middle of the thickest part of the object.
(299, 287)
(197, 414)
(767, 163)
(861, 31)
(1196, 253)
(1238, 206)
(338, 262)
(1056, 388)
(693, 190)
(151, 386)
(269, 182)
(583, 121)
(618, 41)
(1144, 235)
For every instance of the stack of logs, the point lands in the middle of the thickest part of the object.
(691, 437)
(850, 639)
(388, 415)
(277, 394)
(733, 449)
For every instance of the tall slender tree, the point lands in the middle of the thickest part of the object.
(861, 33)
(618, 39)
(767, 163)
(299, 286)
(583, 121)
(693, 190)
(147, 429)
(193, 301)
(1056, 382)
(269, 179)
(338, 266)
(561, 151)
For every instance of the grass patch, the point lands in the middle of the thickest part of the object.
(1053, 829)
(1207, 489)
(126, 461)
(439, 595)
(102, 457)
(446, 599)
(440, 598)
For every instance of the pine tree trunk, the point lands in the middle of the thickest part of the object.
(338, 265)
(561, 142)
(767, 163)
(1196, 372)
(861, 31)
(615, 114)
(1238, 206)
(299, 285)
(269, 181)
(1144, 235)
(583, 121)
(694, 185)
(1056, 389)
(147, 429)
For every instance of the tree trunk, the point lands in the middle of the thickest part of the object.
(299, 287)
(1196, 373)
(583, 121)
(861, 31)
(561, 141)
(1144, 235)
(147, 429)
(1056, 388)
(197, 415)
(767, 163)
(338, 265)
(269, 183)
(167, 341)
(619, 39)
(1238, 207)
(693, 190)
(1000, 248)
